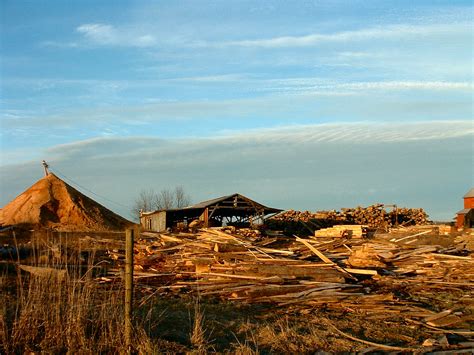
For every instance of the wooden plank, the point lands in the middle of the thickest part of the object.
(315, 251)
(323, 257)
(410, 236)
(361, 271)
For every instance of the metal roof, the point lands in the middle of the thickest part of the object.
(464, 211)
(208, 203)
(470, 193)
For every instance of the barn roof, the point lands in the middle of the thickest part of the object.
(231, 198)
(470, 193)
(207, 203)
(464, 211)
(229, 202)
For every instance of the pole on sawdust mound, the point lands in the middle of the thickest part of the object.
(129, 237)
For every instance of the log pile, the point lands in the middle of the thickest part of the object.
(295, 216)
(374, 216)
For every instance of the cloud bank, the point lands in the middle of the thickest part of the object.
(307, 167)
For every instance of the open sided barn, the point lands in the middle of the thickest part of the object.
(233, 209)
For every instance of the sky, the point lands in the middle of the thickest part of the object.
(304, 105)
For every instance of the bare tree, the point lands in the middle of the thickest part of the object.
(149, 200)
(166, 199)
(182, 199)
(146, 201)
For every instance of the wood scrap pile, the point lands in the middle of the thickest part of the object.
(424, 263)
(465, 242)
(216, 262)
(374, 216)
(220, 262)
(428, 286)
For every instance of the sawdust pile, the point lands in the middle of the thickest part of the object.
(52, 203)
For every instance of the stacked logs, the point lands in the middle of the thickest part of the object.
(295, 216)
(373, 216)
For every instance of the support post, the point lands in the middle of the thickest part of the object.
(129, 241)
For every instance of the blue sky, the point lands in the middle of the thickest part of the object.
(307, 105)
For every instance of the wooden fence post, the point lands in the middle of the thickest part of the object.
(129, 241)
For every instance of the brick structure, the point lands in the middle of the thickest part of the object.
(465, 217)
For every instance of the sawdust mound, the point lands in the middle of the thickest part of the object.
(52, 203)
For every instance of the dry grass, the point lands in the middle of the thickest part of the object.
(54, 312)
(284, 337)
(198, 335)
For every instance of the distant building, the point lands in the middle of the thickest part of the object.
(234, 209)
(465, 217)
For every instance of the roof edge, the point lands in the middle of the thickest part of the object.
(470, 193)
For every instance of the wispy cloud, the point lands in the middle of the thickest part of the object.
(99, 34)
(250, 82)
(210, 78)
(358, 133)
(307, 99)
(103, 34)
(309, 85)
(390, 31)
(355, 133)
(401, 85)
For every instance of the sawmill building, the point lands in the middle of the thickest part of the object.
(234, 209)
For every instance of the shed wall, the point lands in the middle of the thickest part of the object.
(155, 222)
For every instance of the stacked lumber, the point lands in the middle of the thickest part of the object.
(377, 216)
(342, 230)
(295, 216)
(374, 216)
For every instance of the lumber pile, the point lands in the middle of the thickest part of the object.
(465, 242)
(304, 216)
(386, 276)
(393, 274)
(232, 266)
(367, 257)
(243, 265)
(343, 230)
(374, 216)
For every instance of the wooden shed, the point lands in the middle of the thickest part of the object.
(233, 209)
(465, 217)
